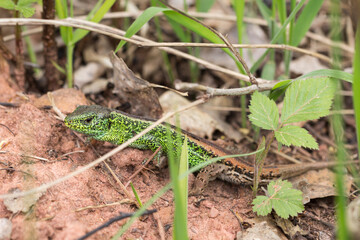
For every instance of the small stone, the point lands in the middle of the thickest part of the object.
(213, 213)
(207, 204)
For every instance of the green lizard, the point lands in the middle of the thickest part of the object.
(117, 127)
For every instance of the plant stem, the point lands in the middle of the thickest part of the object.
(260, 160)
(69, 64)
(20, 69)
(338, 128)
(50, 47)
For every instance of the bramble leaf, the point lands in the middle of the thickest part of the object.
(285, 200)
(7, 4)
(25, 3)
(23, 6)
(307, 99)
(297, 136)
(264, 112)
(262, 205)
(26, 11)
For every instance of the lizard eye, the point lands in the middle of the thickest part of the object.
(88, 121)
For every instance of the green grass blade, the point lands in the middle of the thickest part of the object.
(197, 28)
(342, 232)
(181, 196)
(239, 7)
(136, 195)
(264, 10)
(58, 67)
(205, 5)
(179, 18)
(281, 8)
(97, 6)
(304, 21)
(269, 70)
(356, 84)
(278, 34)
(62, 12)
(183, 168)
(180, 215)
(61, 8)
(280, 87)
(32, 55)
(165, 56)
(332, 73)
(80, 33)
(139, 22)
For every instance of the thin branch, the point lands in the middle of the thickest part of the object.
(216, 16)
(232, 18)
(215, 45)
(209, 45)
(118, 34)
(182, 86)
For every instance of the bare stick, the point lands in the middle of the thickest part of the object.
(181, 86)
(118, 34)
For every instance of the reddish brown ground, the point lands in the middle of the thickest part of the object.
(37, 132)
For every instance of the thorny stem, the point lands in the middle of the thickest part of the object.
(50, 47)
(20, 70)
(259, 163)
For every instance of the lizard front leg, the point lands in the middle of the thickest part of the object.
(206, 175)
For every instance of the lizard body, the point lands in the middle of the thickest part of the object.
(117, 127)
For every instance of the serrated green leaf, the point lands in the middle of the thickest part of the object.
(262, 205)
(288, 207)
(285, 200)
(26, 11)
(307, 99)
(277, 186)
(264, 112)
(24, 7)
(297, 136)
(25, 3)
(7, 4)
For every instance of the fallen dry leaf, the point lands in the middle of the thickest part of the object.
(195, 120)
(318, 184)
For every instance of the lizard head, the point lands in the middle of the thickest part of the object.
(91, 120)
